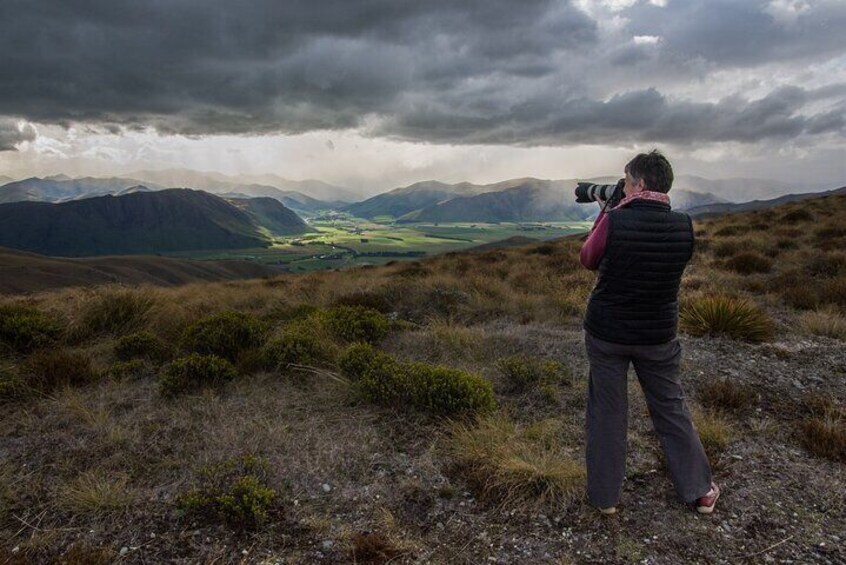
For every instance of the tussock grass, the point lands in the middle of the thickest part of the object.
(520, 470)
(523, 372)
(141, 345)
(97, 492)
(823, 429)
(356, 323)
(48, 370)
(115, 310)
(749, 263)
(194, 372)
(725, 315)
(715, 432)
(24, 328)
(828, 323)
(728, 396)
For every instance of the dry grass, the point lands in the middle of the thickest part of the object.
(725, 315)
(97, 492)
(715, 432)
(727, 395)
(516, 468)
(828, 323)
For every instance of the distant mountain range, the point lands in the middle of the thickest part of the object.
(62, 189)
(143, 222)
(718, 209)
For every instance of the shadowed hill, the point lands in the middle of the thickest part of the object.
(22, 272)
(137, 223)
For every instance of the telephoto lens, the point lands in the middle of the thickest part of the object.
(590, 192)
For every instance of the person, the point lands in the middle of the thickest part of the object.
(640, 249)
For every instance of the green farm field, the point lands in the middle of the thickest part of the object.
(345, 241)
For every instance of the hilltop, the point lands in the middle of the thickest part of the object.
(455, 437)
(143, 222)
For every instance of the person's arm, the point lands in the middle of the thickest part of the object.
(594, 248)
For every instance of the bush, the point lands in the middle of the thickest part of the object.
(23, 328)
(523, 372)
(47, 370)
(141, 345)
(437, 390)
(724, 315)
(356, 323)
(236, 492)
(194, 372)
(796, 216)
(132, 369)
(226, 334)
(116, 311)
(302, 343)
(826, 265)
(444, 391)
(749, 263)
(12, 386)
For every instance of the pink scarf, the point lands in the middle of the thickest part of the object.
(645, 195)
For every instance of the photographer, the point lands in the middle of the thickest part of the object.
(640, 249)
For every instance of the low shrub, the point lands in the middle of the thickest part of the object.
(116, 311)
(444, 391)
(132, 369)
(749, 263)
(356, 323)
(724, 315)
(724, 248)
(727, 395)
(372, 300)
(141, 345)
(236, 492)
(12, 386)
(437, 390)
(24, 328)
(47, 370)
(523, 372)
(826, 265)
(226, 334)
(193, 372)
(730, 230)
(302, 342)
(796, 216)
(513, 466)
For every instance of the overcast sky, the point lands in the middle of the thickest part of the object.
(379, 93)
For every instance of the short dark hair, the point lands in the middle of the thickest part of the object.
(654, 169)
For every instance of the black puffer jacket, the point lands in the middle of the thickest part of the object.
(635, 300)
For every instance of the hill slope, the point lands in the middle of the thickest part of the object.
(60, 188)
(24, 272)
(141, 222)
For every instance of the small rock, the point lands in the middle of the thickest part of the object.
(124, 550)
(326, 487)
(16, 549)
(327, 544)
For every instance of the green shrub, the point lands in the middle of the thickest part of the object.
(724, 315)
(194, 372)
(226, 334)
(356, 323)
(523, 372)
(301, 342)
(132, 369)
(437, 390)
(141, 345)
(23, 328)
(749, 263)
(49, 369)
(116, 311)
(236, 492)
(444, 391)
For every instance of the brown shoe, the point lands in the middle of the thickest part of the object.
(705, 504)
(609, 510)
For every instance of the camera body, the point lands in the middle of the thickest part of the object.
(609, 194)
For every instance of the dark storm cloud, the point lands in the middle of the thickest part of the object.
(489, 71)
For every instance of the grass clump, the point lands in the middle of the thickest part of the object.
(12, 386)
(141, 345)
(714, 431)
(727, 395)
(506, 464)
(193, 372)
(523, 372)
(823, 430)
(96, 492)
(116, 311)
(226, 335)
(47, 370)
(749, 263)
(24, 328)
(132, 369)
(437, 390)
(724, 315)
(236, 492)
(374, 547)
(825, 323)
(356, 323)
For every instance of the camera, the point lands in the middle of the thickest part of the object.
(610, 194)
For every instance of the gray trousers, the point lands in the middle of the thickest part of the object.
(657, 368)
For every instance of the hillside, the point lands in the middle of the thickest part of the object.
(62, 188)
(270, 214)
(26, 273)
(245, 422)
(718, 209)
(531, 200)
(136, 223)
